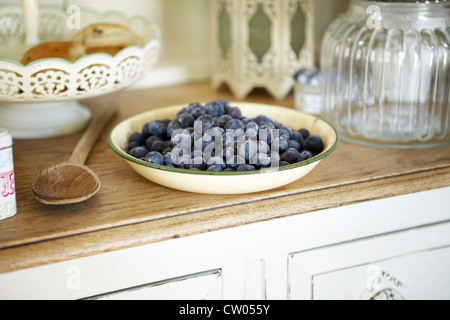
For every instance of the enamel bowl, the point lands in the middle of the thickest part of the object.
(226, 182)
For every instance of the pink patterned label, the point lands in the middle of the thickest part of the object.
(7, 184)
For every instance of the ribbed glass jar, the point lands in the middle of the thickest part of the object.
(386, 73)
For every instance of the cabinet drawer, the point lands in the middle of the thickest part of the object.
(200, 286)
(412, 264)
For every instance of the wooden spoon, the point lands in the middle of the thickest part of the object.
(71, 182)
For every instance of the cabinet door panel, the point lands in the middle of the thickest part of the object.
(412, 264)
(202, 286)
(417, 276)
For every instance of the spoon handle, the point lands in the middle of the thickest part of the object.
(90, 136)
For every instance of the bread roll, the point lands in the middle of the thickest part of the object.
(107, 37)
(68, 50)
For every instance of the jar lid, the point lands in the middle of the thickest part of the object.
(310, 76)
(5, 138)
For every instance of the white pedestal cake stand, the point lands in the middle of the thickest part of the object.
(40, 100)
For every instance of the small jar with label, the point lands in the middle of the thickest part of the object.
(307, 91)
(7, 183)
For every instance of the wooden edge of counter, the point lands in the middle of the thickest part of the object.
(93, 243)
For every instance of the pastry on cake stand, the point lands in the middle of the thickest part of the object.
(41, 99)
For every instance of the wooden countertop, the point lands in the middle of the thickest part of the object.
(131, 211)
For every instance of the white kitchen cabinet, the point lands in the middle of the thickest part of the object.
(338, 253)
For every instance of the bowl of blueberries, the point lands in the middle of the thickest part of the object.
(221, 147)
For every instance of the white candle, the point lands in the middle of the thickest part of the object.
(31, 20)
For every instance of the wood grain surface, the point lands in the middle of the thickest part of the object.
(130, 211)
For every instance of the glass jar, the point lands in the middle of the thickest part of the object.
(386, 73)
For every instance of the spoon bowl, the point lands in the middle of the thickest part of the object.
(65, 183)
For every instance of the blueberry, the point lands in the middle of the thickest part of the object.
(245, 167)
(275, 159)
(198, 163)
(263, 147)
(235, 112)
(229, 140)
(155, 158)
(131, 145)
(235, 124)
(228, 169)
(156, 128)
(267, 124)
(212, 140)
(229, 153)
(181, 158)
(191, 107)
(207, 145)
(314, 144)
(284, 133)
(304, 155)
(235, 161)
(294, 145)
(186, 120)
(213, 133)
(217, 161)
(224, 103)
(183, 165)
(166, 150)
(158, 146)
(207, 122)
(214, 168)
(290, 155)
(137, 137)
(280, 145)
(222, 120)
(283, 163)
(252, 129)
(215, 109)
(246, 120)
(261, 119)
(171, 127)
(304, 133)
(247, 148)
(168, 159)
(190, 129)
(260, 160)
(150, 140)
(138, 152)
(198, 112)
(266, 133)
(297, 136)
